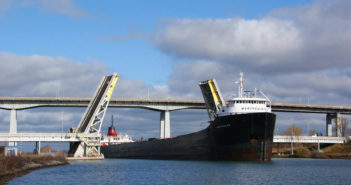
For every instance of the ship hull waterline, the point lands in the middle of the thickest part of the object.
(240, 137)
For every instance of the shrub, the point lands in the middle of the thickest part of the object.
(302, 152)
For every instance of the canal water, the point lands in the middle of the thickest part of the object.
(131, 171)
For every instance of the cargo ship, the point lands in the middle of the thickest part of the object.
(239, 129)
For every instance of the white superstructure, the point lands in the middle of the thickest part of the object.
(121, 138)
(246, 102)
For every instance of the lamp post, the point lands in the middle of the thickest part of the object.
(292, 145)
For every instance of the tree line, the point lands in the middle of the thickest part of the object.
(340, 129)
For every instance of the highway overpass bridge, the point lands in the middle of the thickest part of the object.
(21, 103)
(163, 105)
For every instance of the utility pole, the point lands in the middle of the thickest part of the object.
(292, 145)
(61, 121)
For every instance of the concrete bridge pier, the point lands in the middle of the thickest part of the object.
(165, 125)
(13, 121)
(37, 147)
(329, 124)
(13, 130)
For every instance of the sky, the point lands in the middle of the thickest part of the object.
(294, 51)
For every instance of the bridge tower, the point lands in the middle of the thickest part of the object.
(89, 127)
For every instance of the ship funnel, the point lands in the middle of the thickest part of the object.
(111, 130)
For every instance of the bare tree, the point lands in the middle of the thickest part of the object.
(313, 132)
(292, 130)
(348, 132)
(341, 126)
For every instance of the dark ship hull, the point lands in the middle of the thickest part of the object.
(235, 137)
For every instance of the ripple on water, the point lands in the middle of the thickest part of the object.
(131, 171)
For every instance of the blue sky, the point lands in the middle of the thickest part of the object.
(78, 33)
(295, 51)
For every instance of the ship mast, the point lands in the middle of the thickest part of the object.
(112, 120)
(241, 85)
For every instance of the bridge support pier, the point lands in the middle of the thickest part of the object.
(13, 129)
(13, 121)
(37, 147)
(329, 124)
(165, 128)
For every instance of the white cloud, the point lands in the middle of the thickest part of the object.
(290, 53)
(5, 4)
(310, 38)
(229, 39)
(47, 76)
(61, 7)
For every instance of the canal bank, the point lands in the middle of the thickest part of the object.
(17, 166)
(335, 151)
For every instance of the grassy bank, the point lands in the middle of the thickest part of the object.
(336, 151)
(16, 166)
